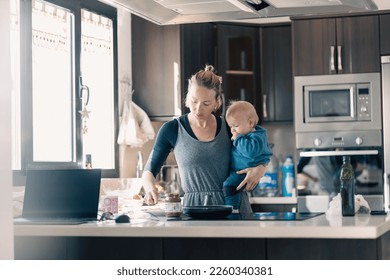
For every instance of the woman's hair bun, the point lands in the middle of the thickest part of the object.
(209, 68)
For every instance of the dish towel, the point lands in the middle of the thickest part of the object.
(135, 126)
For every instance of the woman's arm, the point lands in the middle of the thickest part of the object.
(165, 141)
(252, 178)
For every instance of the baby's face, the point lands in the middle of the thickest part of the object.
(239, 125)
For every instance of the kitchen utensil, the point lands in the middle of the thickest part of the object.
(209, 212)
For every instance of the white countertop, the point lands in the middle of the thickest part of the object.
(362, 226)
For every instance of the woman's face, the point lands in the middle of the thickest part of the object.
(201, 101)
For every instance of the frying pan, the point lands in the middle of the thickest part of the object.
(208, 212)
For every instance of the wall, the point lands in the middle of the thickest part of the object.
(128, 155)
(6, 225)
(283, 138)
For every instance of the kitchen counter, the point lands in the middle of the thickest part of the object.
(361, 237)
(360, 226)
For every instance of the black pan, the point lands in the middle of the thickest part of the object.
(209, 212)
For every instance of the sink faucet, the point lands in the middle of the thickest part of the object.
(140, 164)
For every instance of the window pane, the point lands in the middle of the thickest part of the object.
(52, 51)
(97, 70)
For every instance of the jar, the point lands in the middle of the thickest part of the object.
(173, 205)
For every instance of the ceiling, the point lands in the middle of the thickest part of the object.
(167, 12)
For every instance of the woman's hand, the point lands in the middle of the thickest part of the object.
(252, 178)
(148, 182)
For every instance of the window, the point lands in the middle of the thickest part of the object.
(66, 108)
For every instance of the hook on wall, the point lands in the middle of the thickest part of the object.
(83, 88)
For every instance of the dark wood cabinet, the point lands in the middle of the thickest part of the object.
(238, 52)
(163, 59)
(198, 48)
(384, 34)
(156, 68)
(276, 73)
(336, 45)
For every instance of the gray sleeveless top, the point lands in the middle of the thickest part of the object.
(203, 167)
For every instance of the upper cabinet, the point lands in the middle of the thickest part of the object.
(198, 48)
(276, 73)
(237, 56)
(156, 68)
(336, 45)
(385, 31)
(163, 59)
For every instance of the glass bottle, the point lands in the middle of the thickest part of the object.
(173, 184)
(347, 188)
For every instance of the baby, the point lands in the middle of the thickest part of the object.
(250, 147)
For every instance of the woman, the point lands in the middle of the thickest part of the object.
(201, 144)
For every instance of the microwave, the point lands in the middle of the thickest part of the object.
(342, 110)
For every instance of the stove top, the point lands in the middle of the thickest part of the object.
(256, 216)
(273, 216)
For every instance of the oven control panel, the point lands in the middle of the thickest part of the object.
(363, 102)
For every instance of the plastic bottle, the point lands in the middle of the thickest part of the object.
(347, 188)
(288, 177)
(268, 185)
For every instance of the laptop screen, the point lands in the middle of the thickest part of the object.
(66, 193)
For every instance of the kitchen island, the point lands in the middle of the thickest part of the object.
(361, 237)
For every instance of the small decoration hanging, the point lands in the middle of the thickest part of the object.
(84, 116)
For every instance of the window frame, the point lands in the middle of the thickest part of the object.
(26, 86)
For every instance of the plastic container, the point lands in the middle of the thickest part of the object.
(268, 185)
(288, 182)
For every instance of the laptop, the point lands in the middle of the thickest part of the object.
(65, 196)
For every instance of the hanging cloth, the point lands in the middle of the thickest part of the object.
(135, 126)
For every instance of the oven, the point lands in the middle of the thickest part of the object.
(324, 166)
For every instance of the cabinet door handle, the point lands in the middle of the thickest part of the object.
(331, 60)
(265, 113)
(337, 153)
(386, 192)
(339, 58)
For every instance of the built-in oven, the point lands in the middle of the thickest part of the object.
(349, 103)
(337, 115)
(318, 173)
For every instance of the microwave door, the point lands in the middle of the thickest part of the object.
(332, 103)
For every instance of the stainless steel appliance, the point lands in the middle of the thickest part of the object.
(325, 167)
(386, 126)
(336, 111)
(338, 115)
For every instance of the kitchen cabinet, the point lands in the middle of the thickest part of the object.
(236, 62)
(384, 33)
(276, 73)
(163, 58)
(198, 48)
(336, 45)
